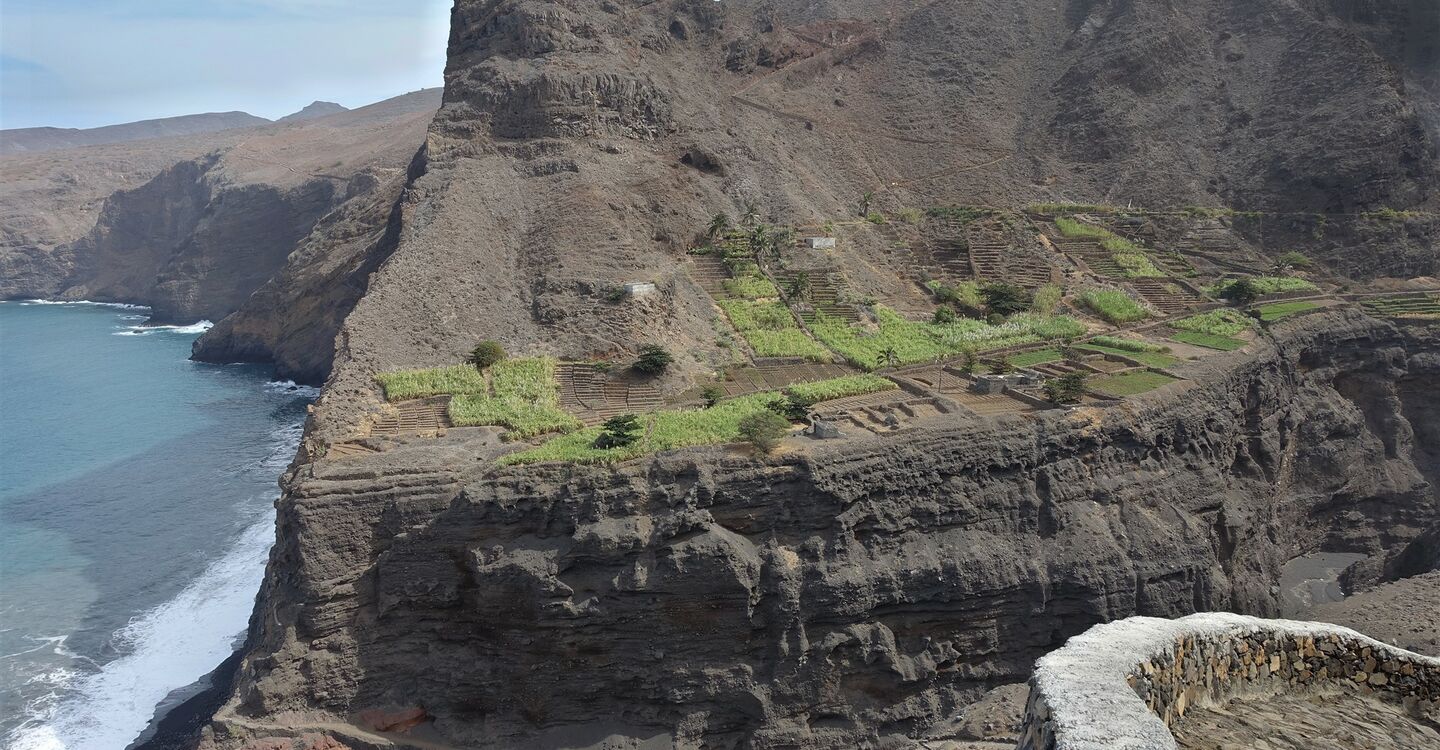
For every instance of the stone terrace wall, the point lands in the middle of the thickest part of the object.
(1120, 686)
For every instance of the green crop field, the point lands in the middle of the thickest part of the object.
(438, 381)
(1267, 285)
(1114, 306)
(1283, 310)
(771, 330)
(524, 398)
(1153, 359)
(1223, 322)
(1130, 383)
(671, 430)
(1030, 359)
(913, 342)
(1209, 340)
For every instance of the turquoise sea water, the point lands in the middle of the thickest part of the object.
(136, 512)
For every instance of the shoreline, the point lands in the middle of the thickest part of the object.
(178, 727)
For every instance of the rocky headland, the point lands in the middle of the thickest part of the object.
(860, 592)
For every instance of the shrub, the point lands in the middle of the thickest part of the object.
(1067, 389)
(965, 294)
(1294, 259)
(1005, 299)
(653, 360)
(619, 432)
(1114, 306)
(943, 315)
(1002, 366)
(764, 430)
(711, 395)
(911, 215)
(875, 217)
(487, 353)
(1259, 285)
(1047, 298)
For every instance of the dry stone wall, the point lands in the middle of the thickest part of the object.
(1123, 685)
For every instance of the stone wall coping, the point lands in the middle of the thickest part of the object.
(1092, 705)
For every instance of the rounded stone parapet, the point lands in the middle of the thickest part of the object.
(1122, 685)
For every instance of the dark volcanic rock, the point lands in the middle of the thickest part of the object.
(867, 590)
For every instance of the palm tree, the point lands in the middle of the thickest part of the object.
(888, 358)
(865, 201)
(759, 239)
(751, 217)
(719, 224)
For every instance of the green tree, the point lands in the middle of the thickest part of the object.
(1005, 299)
(865, 201)
(711, 395)
(618, 432)
(888, 358)
(719, 225)
(751, 216)
(968, 362)
(943, 316)
(1241, 292)
(1002, 366)
(764, 430)
(1067, 389)
(759, 239)
(654, 359)
(486, 354)
(798, 287)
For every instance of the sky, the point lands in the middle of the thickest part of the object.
(86, 63)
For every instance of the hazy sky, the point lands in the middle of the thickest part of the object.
(83, 63)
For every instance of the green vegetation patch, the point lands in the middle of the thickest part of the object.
(438, 381)
(911, 342)
(1080, 230)
(1209, 340)
(1150, 358)
(1129, 345)
(524, 398)
(1137, 265)
(1128, 255)
(1039, 357)
(1409, 306)
(771, 330)
(1283, 310)
(751, 288)
(1266, 285)
(1224, 322)
(1114, 306)
(1130, 383)
(672, 430)
(965, 294)
(1053, 209)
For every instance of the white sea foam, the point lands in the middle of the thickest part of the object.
(164, 649)
(143, 330)
(290, 387)
(117, 305)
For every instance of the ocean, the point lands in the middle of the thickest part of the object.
(137, 495)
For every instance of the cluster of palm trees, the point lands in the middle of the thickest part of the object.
(762, 240)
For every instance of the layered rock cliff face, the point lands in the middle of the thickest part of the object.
(838, 597)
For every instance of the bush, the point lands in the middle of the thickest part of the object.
(874, 217)
(1294, 259)
(654, 359)
(1068, 389)
(711, 395)
(1002, 366)
(943, 315)
(486, 354)
(1114, 306)
(1244, 291)
(764, 430)
(1005, 299)
(619, 432)
(911, 215)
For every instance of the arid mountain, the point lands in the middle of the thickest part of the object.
(192, 225)
(314, 110)
(38, 140)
